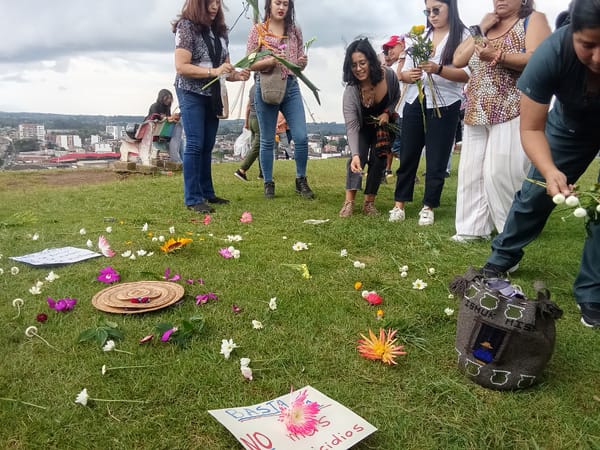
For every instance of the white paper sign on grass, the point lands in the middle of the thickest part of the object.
(257, 427)
(56, 256)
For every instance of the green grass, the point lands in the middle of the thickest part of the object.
(423, 402)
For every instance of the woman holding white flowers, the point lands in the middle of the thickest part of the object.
(561, 144)
(280, 34)
(492, 162)
(432, 122)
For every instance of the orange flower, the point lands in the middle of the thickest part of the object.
(171, 245)
(382, 348)
(357, 285)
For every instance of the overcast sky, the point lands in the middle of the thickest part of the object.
(111, 57)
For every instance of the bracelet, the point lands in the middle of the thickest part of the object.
(440, 67)
(497, 58)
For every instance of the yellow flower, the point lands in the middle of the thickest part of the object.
(174, 244)
(382, 348)
(357, 285)
(417, 29)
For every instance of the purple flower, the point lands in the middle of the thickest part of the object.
(236, 309)
(108, 275)
(225, 253)
(167, 334)
(168, 276)
(63, 304)
(204, 298)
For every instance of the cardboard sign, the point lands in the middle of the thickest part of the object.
(257, 427)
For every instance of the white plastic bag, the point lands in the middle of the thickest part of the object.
(242, 144)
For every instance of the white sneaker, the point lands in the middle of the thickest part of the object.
(396, 214)
(426, 217)
(466, 238)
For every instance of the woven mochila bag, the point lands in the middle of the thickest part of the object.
(503, 339)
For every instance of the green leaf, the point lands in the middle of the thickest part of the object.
(111, 324)
(162, 327)
(101, 336)
(114, 334)
(298, 72)
(87, 335)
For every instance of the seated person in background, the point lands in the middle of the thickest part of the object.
(161, 109)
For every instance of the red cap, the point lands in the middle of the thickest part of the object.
(393, 41)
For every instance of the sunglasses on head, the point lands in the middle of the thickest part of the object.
(432, 12)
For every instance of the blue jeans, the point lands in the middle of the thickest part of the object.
(532, 206)
(293, 110)
(200, 125)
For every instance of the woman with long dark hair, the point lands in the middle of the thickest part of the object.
(280, 34)
(442, 100)
(561, 143)
(201, 55)
(492, 162)
(369, 101)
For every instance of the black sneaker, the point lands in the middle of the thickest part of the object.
(590, 314)
(269, 189)
(202, 208)
(493, 271)
(303, 189)
(240, 175)
(218, 201)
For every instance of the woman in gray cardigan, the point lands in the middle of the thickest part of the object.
(370, 99)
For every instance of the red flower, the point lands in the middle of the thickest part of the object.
(41, 317)
(373, 298)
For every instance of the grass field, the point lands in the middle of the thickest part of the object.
(310, 339)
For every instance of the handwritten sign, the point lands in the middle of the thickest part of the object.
(257, 427)
(56, 256)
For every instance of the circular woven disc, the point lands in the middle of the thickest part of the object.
(117, 298)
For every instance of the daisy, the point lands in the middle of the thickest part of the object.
(419, 284)
(227, 346)
(273, 304)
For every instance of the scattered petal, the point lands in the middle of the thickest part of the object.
(52, 277)
(236, 309)
(104, 247)
(257, 325)
(273, 304)
(82, 231)
(448, 311)
(109, 230)
(343, 253)
(41, 317)
(246, 217)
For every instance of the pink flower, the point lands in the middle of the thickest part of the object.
(167, 334)
(204, 298)
(246, 217)
(108, 275)
(225, 253)
(41, 317)
(373, 298)
(207, 219)
(147, 338)
(301, 416)
(236, 309)
(63, 304)
(167, 276)
(104, 247)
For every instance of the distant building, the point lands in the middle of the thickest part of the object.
(102, 148)
(32, 131)
(68, 141)
(116, 131)
(94, 139)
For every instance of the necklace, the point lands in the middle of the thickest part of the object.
(367, 95)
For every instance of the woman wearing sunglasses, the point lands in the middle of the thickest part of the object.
(436, 130)
(492, 162)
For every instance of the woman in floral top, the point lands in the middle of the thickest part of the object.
(280, 34)
(201, 55)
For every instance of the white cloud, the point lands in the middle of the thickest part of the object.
(112, 57)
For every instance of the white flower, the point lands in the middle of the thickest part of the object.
(31, 331)
(103, 370)
(246, 372)
(449, 311)
(161, 238)
(227, 347)
(450, 296)
(82, 231)
(558, 199)
(141, 252)
(172, 229)
(419, 284)
(210, 234)
(359, 265)
(257, 325)
(109, 346)
(89, 243)
(18, 302)
(245, 362)
(431, 271)
(36, 289)
(598, 207)
(234, 237)
(35, 237)
(364, 294)
(404, 269)
(234, 252)
(14, 270)
(150, 254)
(273, 304)
(132, 257)
(343, 253)
(1, 271)
(299, 246)
(580, 212)
(403, 274)
(126, 254)
(145, 227)
(284, 237)
(109, 229)
(83, 397)
(52, 277)
(154, 239)
(572, 201)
